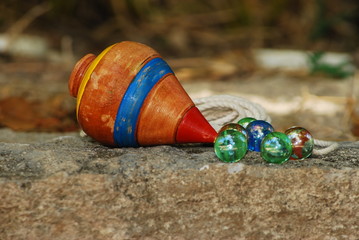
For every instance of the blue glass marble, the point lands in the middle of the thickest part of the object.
(256, 131)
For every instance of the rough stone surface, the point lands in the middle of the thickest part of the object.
(70, 187)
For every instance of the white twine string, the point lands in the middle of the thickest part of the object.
(236, 108)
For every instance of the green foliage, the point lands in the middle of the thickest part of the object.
(328, 21)
(318, 66)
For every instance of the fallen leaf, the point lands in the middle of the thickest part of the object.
(21, 114)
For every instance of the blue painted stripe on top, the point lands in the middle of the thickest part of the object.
(129, 110)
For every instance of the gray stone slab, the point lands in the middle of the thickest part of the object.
(74, 154)
(70, 187)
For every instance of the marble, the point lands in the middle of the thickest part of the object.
(245, 121)
(276, 147)
(302, 142)
(234, 126)
(230, 145)
(256, 131)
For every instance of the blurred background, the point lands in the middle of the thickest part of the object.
(296, 58)
(189, 27)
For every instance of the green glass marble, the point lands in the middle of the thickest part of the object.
(230, 145)
(234, 126)
(245, 121)
(276, 147)
(302, 142)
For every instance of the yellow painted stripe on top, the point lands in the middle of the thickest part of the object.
(87, 76)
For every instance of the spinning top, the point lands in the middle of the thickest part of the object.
(128, 96)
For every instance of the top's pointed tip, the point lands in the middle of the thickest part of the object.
(194, 128)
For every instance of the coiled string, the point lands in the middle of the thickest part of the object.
(222, 109)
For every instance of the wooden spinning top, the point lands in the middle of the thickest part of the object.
(128, 96)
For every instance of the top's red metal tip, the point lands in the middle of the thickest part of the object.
(194, 128)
